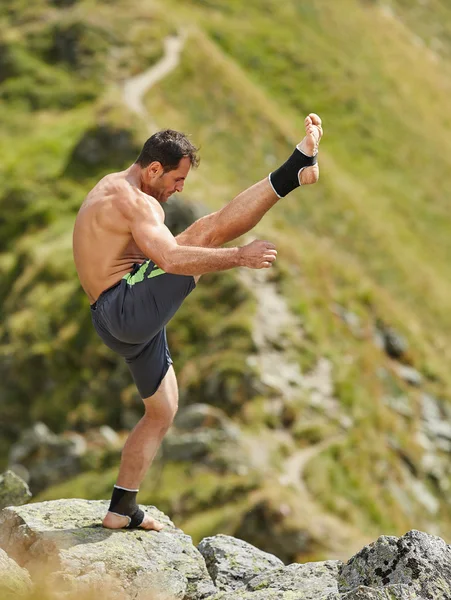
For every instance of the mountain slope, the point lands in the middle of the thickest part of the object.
(363, 253)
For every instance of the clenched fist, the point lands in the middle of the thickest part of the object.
(258, 254)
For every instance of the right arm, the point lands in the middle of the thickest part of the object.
(157, 243)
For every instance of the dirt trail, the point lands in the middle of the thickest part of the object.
(273, 319)
(137, 87)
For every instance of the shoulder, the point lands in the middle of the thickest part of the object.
(132, 203)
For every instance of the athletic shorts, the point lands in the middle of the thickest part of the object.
(131, 318)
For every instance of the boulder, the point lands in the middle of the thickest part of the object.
(14, 581)
(49, 458)
(389, 592)
(417, 559)
(196, 416)
(232, 562)
(310, 581)
(180, 214)
(13, 490)
(266, 526)
(206, 433)
(63, 544)
(67, 535)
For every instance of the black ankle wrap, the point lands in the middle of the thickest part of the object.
(286, 178)
(123, 502)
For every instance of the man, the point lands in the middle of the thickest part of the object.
(136, 275)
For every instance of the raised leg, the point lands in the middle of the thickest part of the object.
(143, 442)
(244, 212)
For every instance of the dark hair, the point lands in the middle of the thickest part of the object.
(167, 147)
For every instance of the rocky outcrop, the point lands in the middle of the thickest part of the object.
(14, 580)
(233, 563)
(205, 433)
(67, 535)
(65, 539)
(418, 560)
(13, 490)
(43, 458)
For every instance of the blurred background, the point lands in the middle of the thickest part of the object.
(315, 397)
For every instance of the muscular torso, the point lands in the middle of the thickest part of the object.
(104, 249)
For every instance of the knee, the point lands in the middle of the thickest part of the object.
(161, 416)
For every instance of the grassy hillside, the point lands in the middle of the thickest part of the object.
(373, 237)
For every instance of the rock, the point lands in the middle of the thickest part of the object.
(198, 416)
(395, 344)
(49, 458)
(232, 562)
(349, 318)
(271, 594)
(203, 432)
(266, 526)
(68, 535)
(409, 375)
(180, 214)
(14, 581)
(437, 425)
(103, 437)
(13, 490)
(417, 559)
(314, 579)
(389, 592)
(65, 539)
(214, 448)
(310, 581)
(103, 146)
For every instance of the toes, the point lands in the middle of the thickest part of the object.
(316, 120)
(151, 524)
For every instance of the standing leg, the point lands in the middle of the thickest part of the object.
(142, 445)
(246, 210)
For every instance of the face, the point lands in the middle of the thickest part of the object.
(162, 185)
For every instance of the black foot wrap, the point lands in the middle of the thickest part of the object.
(123, 502)
(136, 518)
(286, 178)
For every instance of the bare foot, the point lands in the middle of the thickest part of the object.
(309, 146)
(112, 521)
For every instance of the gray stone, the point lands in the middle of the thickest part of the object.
(197, 416)
(104, 437)
(180, 213)
(232, 562)
(272, 594)
(13, 490)
(266, 527)
(390, 592)
(49, 458)
(395, 344)
(417, 559)
(312, 579)
(14, 581)
(68, 535)
(349, 318)
(410, 375)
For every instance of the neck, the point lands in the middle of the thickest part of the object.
(134, 176)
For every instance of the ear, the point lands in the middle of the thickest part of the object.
(155, 169)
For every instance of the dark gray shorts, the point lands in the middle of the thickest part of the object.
(131, 319)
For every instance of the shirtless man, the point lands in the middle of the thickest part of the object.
(136, 275)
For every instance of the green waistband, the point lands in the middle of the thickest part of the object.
(140, 274)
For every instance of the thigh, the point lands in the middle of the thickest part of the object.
(151, 302)
(149, 364)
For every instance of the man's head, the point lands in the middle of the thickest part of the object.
(165, 161)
